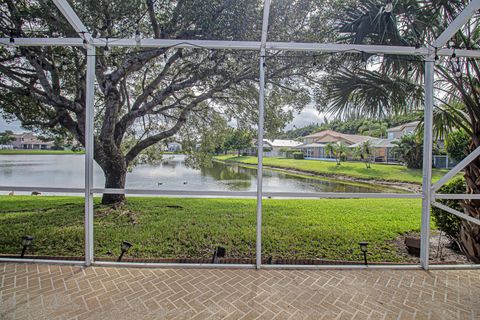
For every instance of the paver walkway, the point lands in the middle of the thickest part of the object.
(30, 291)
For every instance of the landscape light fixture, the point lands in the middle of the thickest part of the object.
(388, 6)
(125, 247)
(84, 42)
(364, 249)
(26, 242)
(219, 253)
(106, 48)
(138, 38)
(12, 39)
(437, 58)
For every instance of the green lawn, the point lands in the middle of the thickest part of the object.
(349, 169)
(325, 228)
(19, 151)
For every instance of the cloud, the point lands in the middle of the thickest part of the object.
(10, 125)
(308, 116)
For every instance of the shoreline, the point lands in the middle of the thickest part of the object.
(404, 186)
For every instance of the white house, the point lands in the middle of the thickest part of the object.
(174, 147)
(29, 141)
(274, 148)
(401, 130)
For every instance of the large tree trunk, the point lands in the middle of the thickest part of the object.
(469, 235)
(114, 178)
(114, 167)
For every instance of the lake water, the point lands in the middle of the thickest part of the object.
(171, 174)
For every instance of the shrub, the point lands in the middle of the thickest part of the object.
(298, 155)
(447, 222)
(410, 150)
(457, 145)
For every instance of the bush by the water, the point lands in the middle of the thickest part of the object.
(447, 222)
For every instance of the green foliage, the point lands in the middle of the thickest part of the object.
(457, 144)
(410, 150)
(238, 139)
(191, 228)
(146, 97)
(6, 137)
(366, 153)
(339, 150)
(447, 222)
(298, 155)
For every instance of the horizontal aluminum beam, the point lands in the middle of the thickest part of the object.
(342, 267)
(42, 261)
(457, 196)
(266, 194)
(247, 194)
(238, 266)
(173, 265)
(454, 266)
(42, 189)
(242, 45)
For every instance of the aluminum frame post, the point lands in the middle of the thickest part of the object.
(427, 162)
(89, 147)
(261, 118)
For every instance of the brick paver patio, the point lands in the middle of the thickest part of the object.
(34, 291)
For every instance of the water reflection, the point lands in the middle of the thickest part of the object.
(171, 174)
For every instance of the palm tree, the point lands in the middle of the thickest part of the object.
(410, 150)
(341, 151)
(366, 153)
(330, 150)
(382, 86)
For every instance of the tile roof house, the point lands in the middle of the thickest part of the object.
(327, 136)
(314, 144)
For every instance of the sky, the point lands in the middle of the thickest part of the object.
(14, 126)
(308, 116)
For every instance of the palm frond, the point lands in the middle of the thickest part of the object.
(369, 93)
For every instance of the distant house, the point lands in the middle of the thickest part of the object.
(382, 149)
(401, 130)
(29, 141)
(174, 147)
(314, 144)
(275, 147)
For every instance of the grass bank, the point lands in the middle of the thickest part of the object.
(348, 169)
(21, 151)
(191, 228)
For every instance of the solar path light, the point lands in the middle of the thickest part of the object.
(26, 242)
(125, 247)
(219, 253)
(363, 247)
